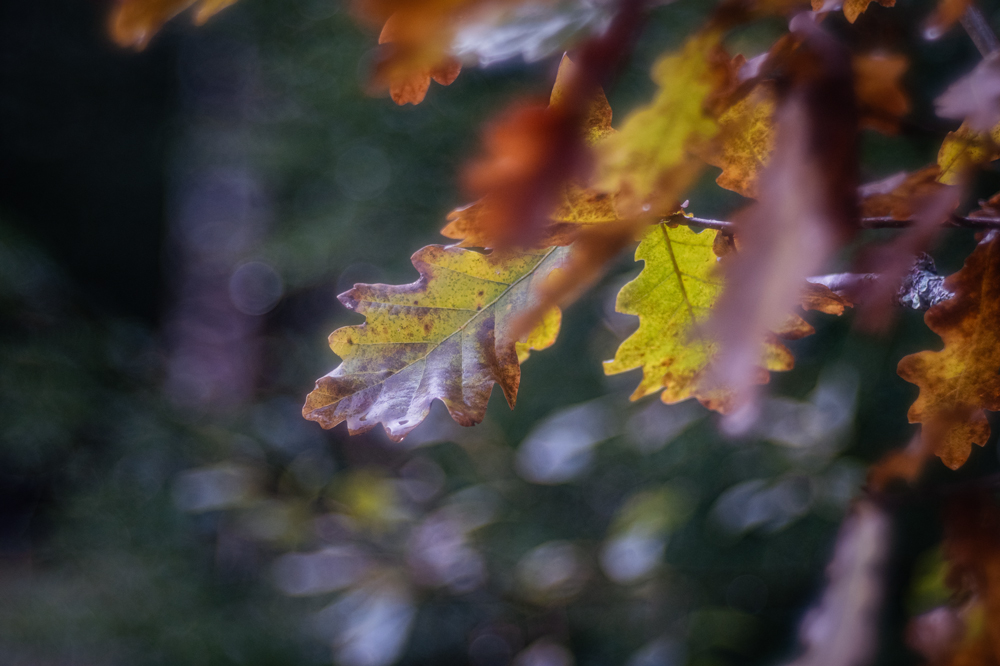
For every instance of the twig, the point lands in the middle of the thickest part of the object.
(954, 221)
(980, 32)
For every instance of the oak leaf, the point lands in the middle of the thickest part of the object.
(878, 87)
(447, 336)
(745, 141)
(134, 22)
(959, 382)
(578, 207)
(411, 64)
(651, 161)
(900, 196)
(806, 210)
(673, 297)
(964, 149)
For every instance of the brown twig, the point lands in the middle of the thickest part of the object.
(980, 32)
(954, 221)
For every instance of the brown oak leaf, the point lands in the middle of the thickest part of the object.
(961, 381)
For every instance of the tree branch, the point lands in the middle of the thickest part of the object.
(980, 32)
(954, 221)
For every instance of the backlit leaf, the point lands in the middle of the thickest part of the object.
(964, 149)
(882, 100)
(447, 336)
(959, 382)
(134, 22)
(746, 138)
(673, 296)
(474, 225)
(651, 161)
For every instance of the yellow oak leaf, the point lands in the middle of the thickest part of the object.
(960, 381)
(673, 297)
(965, 149)
(134, 22)
(651, 161)
(448, 336)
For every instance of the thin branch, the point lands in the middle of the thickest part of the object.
(954, 221)
(980, 32)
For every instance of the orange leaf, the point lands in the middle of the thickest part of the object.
(959, 382)
(134, 22)
(852, 8)
(877, 85)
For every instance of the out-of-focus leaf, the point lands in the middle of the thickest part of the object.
(134, 22)
(878, 86)
(947, 13)
(843, 629)
(578, 207)
(966, 632)
(807, 206)
(974, 98)
(964, 149)
(501, 31)
(960, 381)
(673, 297)
(852, 8)
(447, 336)
(899, 196)
(409, 68)
(651, 161)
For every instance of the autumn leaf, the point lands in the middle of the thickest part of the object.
(901, 195)
(966, 632)
(578, 207)
(447, 336)
(974, 98)
(673, 297)
(806, 208)
(134, 22)
(651, 161)
(947, 13)
(745, 141)
(878, 87)
(964, 149)
(410, 64)
(959, 382)
(852, 8)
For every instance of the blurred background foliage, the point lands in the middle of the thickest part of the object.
(174, 228)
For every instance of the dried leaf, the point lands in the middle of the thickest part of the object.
(821, 298)
(578, 207)
(651, 161)
(945, 16)
(900, 196)
(134, 22)
(745, 141)
(852, 8)
(673, 297)
(446, 336)
(878, 87)
(410, 64)
(974, 98)
(843, 629)
(960, 381)
(806, 208)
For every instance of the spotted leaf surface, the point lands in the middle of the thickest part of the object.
(448, 336)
